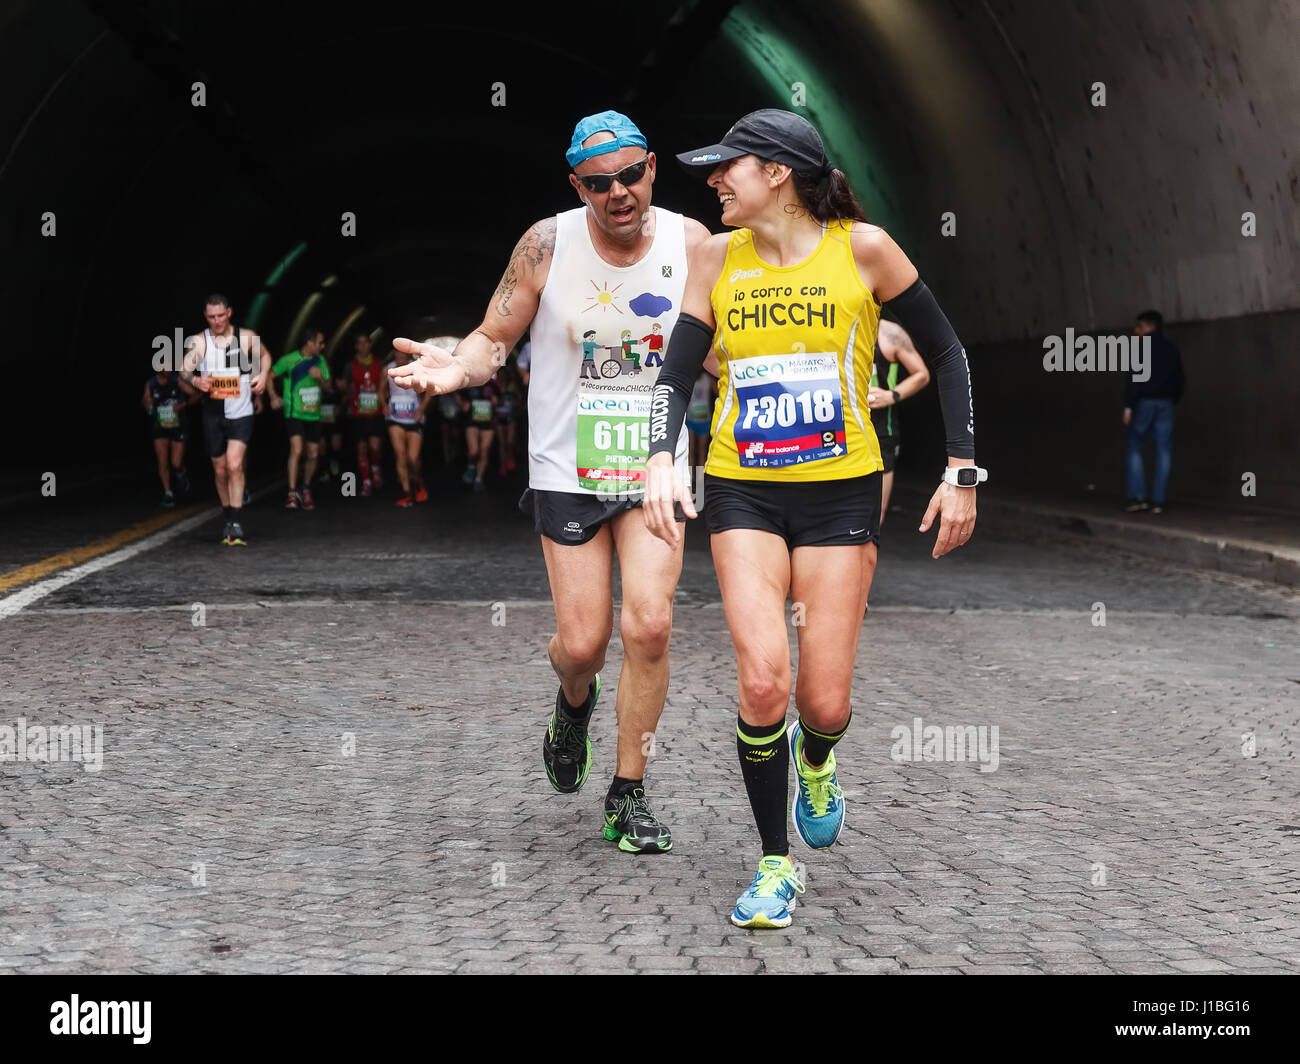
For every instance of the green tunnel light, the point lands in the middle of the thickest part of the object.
(258, 306)
(781, 65)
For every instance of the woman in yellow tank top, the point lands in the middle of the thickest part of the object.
(791, 301)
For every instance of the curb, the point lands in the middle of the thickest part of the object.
(1240, 557)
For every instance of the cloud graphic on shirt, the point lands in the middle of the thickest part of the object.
(649, 305)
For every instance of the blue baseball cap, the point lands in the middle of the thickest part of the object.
(626, 135)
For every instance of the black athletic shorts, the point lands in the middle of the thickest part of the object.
(366, 428)
(410, 426)
(218, 429)
(822, 513)
(309, 430)
(176, 435)
(573, 517)
(889, 452)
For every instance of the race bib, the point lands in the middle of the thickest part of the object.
(367, 401)
(790, 409)
(225, 385)
(613, 437)
(167, 415)
(309, 398)
(327, 413)
(480, 409)
(403, 407)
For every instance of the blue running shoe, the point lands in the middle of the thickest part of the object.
(769, 901)
(818, 808)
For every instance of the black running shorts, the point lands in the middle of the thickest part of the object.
(366, 428)
(823, 513)
(889, 448)
(309, 430)
(218, 430)
(572, 518)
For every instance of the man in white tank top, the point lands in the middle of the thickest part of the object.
(588, 282)
(233, 365)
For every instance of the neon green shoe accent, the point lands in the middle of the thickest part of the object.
(638, 817)
(818, 783)
(770, 899)
(773, 876)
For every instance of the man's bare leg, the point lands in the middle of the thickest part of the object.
(234, 462)
(650, 570)
(581, 590)
(220, 475)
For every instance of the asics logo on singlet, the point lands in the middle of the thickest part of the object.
(745, 275)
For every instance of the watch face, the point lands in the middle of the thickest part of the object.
(967, 477)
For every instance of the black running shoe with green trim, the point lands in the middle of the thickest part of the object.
(629, 820)
(566, 749)
(235, 535)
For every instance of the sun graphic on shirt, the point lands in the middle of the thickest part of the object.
(605, 298)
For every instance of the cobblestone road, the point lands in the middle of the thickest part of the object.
(234, 825)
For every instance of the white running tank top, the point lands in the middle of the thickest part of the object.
(598, 340)
(219, 360)
(402, 403)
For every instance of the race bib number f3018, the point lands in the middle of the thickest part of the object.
(613, 438)
(790, 409)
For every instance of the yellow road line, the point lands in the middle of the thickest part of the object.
(77, 555)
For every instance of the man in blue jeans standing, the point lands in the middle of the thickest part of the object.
(1149, 408)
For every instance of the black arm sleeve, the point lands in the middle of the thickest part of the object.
(918, 313)
(688, 347)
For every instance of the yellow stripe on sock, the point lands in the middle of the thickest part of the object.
(765, 740)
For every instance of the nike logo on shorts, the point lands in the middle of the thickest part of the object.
(856, 531)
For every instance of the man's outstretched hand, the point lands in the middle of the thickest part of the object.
(432, 369)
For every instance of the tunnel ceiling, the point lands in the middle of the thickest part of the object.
(1066, 213)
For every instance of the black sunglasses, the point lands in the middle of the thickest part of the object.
(629, 175)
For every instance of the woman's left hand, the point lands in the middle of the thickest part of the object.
(957, 522)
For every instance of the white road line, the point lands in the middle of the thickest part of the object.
(24, 597)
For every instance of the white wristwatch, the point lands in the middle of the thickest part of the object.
(965, 476)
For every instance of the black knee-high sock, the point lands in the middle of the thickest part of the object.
(817, 745)
(765, 764)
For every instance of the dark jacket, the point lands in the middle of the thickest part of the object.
(1166, 380)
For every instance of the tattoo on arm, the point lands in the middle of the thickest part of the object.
(531, 251)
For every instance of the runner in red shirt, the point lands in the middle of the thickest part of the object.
(361, 383)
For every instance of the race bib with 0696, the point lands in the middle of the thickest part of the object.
(224, 386)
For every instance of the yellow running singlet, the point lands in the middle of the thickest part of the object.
(794, 350)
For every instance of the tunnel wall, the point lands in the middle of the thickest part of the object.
(1054, 434)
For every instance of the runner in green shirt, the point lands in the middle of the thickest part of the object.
(304, 371)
